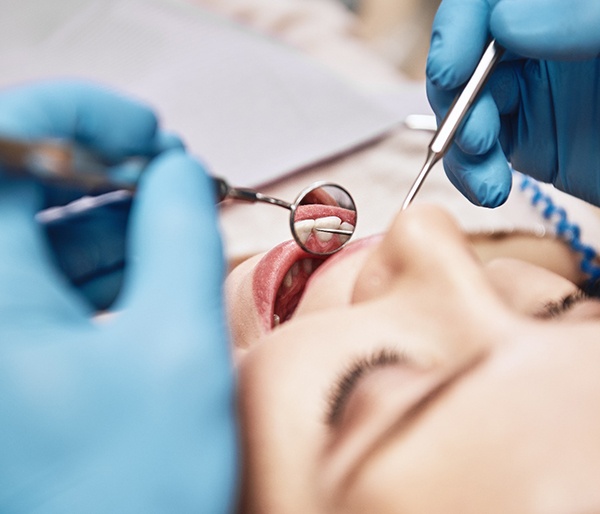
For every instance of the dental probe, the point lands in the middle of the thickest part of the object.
(444, 135)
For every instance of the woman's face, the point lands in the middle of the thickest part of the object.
(412, 378)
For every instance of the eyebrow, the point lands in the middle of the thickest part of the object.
(410, 415)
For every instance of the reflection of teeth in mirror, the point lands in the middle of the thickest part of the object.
(328, 222)
(303, 229)
(345, 226)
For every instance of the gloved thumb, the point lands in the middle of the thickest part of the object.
(174, 252)
(548, 29)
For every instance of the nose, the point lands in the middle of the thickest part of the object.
(425, 283)
(423, 247)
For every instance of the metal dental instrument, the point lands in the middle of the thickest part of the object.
(444, 135)
(319, 204)
(54, 161)
(322, 208)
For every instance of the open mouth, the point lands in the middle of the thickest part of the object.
(281, 276)
(279, 281)
(291, 289)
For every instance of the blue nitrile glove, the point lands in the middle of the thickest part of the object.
(542, 108)
(89, 249)
(129, 413)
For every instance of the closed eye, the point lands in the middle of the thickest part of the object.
(349, 378)
(556, 308)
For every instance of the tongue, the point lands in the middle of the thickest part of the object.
(304, 212)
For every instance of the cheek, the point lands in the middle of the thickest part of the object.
(243, 319)
(526, 287)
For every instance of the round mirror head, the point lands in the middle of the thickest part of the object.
(323, 218)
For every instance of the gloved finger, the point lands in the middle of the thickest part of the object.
(174, 319)
(32, 292)
(100, 119)
(166, 140)
(548, 29)
(480, 129)
(484, 180)
(439, 99)
(526, 95)
(458, 39)
(504, 86)
(175, 247)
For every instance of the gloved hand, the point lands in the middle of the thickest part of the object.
(90, 248)
(133, 412)
(541, 110)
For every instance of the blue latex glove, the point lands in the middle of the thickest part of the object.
(133, 413)
(541, 110)
(89, 249)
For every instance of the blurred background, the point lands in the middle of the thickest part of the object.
(398, 30)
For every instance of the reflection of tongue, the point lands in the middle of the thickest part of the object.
(314, 211)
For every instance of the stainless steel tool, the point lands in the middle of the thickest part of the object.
(444, 135)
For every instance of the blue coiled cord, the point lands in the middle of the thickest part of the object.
(566, 230)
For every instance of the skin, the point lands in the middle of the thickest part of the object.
(511, 420)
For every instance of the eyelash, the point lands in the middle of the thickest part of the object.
(348, 379)
(555, 309)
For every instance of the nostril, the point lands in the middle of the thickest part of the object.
(418, 246)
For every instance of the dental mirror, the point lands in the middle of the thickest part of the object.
(322, 218)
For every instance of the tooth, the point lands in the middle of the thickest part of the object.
(288, 279)
(276, 320)
(327, 222)
(303, 229)
(345, 226)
